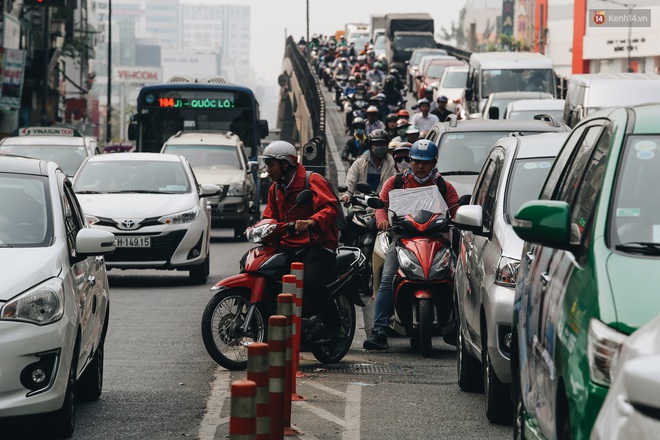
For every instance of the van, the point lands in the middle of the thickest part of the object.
(589, 93)
(506, 72)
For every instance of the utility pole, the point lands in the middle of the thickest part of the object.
(46, 60)
(307, 22)
(108, 129)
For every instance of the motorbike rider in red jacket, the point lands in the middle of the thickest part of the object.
(316, 238)
(422, 172)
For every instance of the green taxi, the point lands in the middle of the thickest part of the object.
(588, 272)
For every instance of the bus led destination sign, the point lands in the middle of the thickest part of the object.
(195, 103)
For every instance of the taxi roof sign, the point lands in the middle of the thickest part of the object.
(46, 131)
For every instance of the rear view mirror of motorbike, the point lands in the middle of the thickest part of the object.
(342, 188)
(364, 188)
(305, 196)
(252, 209)
(375, 202)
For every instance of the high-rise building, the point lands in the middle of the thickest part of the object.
(163, 22)
(223, 29)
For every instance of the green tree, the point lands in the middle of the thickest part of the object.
(456, 32)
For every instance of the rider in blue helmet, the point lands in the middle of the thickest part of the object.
(422, 172)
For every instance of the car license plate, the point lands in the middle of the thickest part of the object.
(134, 242)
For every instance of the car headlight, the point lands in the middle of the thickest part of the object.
(441, 262)
(602, 350)
(409, 264)
(236, 189)
(507, 272)
(180, 217)
(91, 220)
(41, 305)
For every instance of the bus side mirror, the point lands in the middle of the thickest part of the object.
(263, 128)
(132, 131)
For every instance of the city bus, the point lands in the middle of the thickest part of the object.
(187, 103)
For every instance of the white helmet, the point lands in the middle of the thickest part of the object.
(281, 150)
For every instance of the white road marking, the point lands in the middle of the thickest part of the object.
(322, 413)
(214, 404)
(325, 389)
(360, 333)
(352, 414)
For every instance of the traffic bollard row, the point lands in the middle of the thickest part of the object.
(297, 269)
(257, 371)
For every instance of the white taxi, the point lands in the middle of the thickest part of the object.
(54, 300)
(62, 145)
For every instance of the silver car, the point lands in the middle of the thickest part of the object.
(488, 262)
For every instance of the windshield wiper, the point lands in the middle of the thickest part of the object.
(88, 192)
(459, 173)
(642, 247)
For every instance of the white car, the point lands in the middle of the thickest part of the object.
(54, 298)
(220, 158)
(632, 407)
(528, 108)
(155, 207)
(488, 261)
(64, 146)
(452, 85)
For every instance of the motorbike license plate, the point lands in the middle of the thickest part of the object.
(134, 242)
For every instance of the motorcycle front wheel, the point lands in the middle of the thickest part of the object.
(425, 326)
(335, 350)
(222, 328)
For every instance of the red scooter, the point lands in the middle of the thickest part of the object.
(238, 313)
(423, 285)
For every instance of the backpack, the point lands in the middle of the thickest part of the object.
(341, 220)
(442, 185)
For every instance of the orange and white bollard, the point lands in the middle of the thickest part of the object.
(285, 308)
(297, 269)
(276, 373)
(242, 420)
(257, 371)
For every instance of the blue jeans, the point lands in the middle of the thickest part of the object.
(385, 297)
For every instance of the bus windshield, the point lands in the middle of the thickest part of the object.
(162, 112)
(513, 80)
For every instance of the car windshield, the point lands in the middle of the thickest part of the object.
(435, 70)
(68, 157)
(465, 152)
(455, 80)
(379, 44)
(525, 183)
(124, 176)
(635, 214)
(512, 80)
(408, 42)
(529, 114)
(208, 156)
(25, 211)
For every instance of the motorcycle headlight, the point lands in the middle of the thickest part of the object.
(41, 305)
(236, 189)
(256, 234)
(180, 217)
(440, 265)
(602, 350)
(409, 264)
(507, 272)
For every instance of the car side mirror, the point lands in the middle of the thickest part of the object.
(464, 199)
(91, 242)
(641, 384)
(253, 166)
(252, 208)
(209, 190)
(545, 222)
(263, 128)
(493, 113)
(132, 131)
(470, 218)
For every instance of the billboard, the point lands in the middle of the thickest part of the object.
(137, 74)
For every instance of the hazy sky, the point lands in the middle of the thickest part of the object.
(272, 18)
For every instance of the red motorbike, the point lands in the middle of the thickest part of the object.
(238, 313)
(423, 285)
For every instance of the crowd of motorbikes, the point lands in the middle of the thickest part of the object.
(238, 313)
(358, 82)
